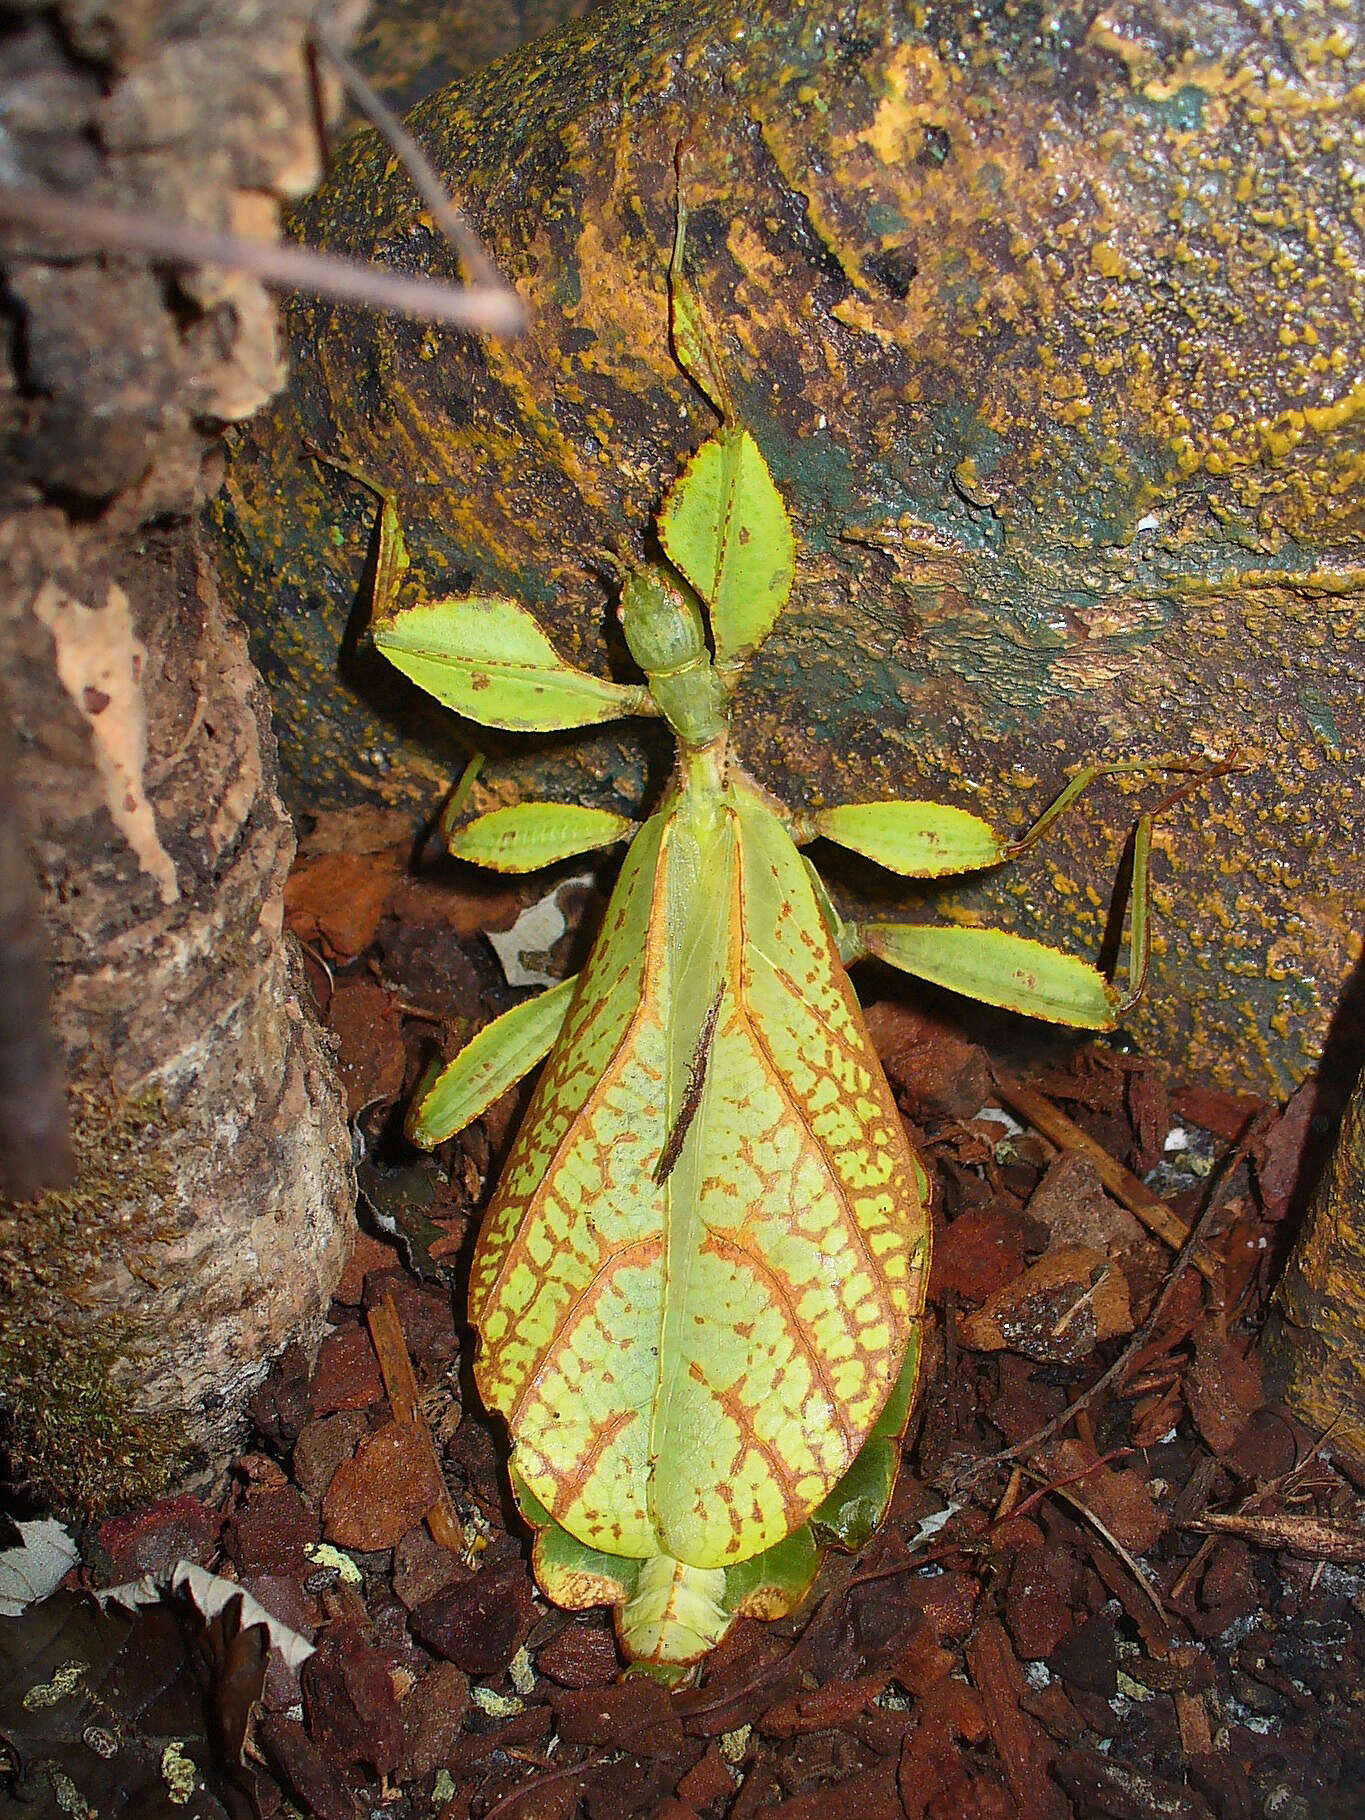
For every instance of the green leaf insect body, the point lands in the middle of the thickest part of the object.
(698, 1289)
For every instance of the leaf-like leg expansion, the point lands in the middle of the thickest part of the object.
(990, 965)
(937, 840)
(694, 344)
(914, 839)
(488, 659)
(526, 836)
(483, 656)
(1019, 974)
(488, 1065)
(998, 968)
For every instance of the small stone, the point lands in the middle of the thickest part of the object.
(1120, 1497)
(350, 1702)
(379, 1494)
(1071, 1202)
(425, 1315)
(1087, 1658)
(279, 1407)
(284, 1598)
(338, 898)
(1057, 1311)
(322, 1447)
(1036, 1615)
(363, 1020)
(979, 1252)
(708, 1781)
(367, 1254)
(948, 1602)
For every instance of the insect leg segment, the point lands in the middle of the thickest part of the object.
(494, 1060)
(391, 560)
(1090, 774)
(1013, 971)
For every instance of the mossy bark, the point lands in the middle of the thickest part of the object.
(1049, 328)
(210, 1210)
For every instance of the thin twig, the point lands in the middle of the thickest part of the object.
(479, 268)
(286, 268)
(1125, 1555)
(1156, 1215)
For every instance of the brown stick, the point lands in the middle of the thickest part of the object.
(288, 268)
(1156, 1215)
(400, 1381)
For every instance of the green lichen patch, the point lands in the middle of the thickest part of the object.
(70, 1433)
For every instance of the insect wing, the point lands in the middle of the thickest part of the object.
(565, 1281)
(489, 660)
(688, 1366)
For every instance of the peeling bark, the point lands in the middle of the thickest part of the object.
(210, 1211)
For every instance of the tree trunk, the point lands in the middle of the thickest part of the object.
(1319, 1344)
(210, 1211)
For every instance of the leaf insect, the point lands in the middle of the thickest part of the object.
(699, 1286)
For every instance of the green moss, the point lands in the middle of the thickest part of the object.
(70, 1431)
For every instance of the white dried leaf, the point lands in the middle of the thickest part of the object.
(210, 1593)
(37, 1566)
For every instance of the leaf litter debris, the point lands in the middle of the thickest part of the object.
(1115, 1579)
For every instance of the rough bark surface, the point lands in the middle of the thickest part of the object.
(1050, 328)
(1321, 1342)
(209, 1216)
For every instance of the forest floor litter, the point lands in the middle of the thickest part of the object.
(1115, 1580)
